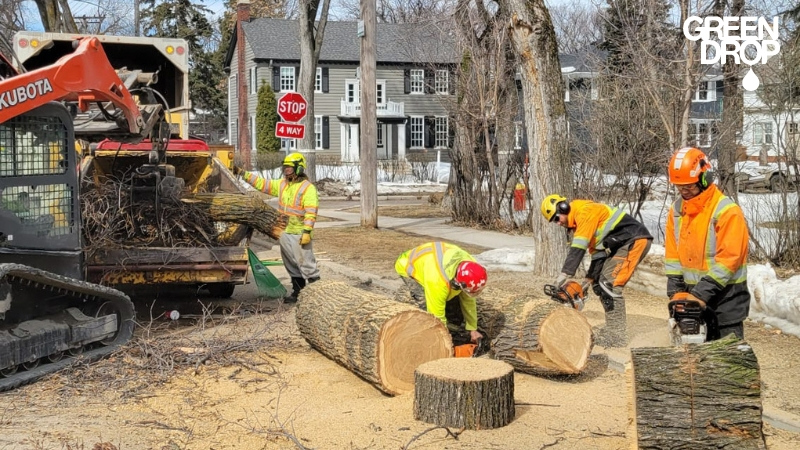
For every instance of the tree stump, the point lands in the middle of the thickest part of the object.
(698, 396)
(473, 393)
(536, 336)
(378, 339)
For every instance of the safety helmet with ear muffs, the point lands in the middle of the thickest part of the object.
(689, 165)
(554, 204)
(297, 161)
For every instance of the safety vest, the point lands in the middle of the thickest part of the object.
(709, 265)
(298, 200)
(592, 222)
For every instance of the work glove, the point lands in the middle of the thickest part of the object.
(306, 238)
(237, 170)
(562, 278)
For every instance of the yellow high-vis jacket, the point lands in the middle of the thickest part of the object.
(433, 265)
(298, 200)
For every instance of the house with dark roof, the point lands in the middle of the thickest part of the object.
(414, 83)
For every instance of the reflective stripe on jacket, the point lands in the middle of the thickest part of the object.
(706, 244)
(298, 200)
(433, 265)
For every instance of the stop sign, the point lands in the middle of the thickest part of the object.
(292, 107)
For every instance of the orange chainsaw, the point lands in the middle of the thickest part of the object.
(570, 293)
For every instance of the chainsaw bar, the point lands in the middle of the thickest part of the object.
(570, 294)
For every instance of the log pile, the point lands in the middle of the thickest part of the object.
(473, 393)
(535, 335)
(703, 396)
(378, 339)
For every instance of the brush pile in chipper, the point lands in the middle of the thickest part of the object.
(378, 339)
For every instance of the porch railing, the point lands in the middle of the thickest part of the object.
(387, 109)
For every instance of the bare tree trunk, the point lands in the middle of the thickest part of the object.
(368, 144)
(732, 112)
(311, 36)
(533, 39)
(56, 16)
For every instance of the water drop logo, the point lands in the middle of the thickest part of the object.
(748, 40)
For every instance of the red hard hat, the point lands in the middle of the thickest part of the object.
(471, 276)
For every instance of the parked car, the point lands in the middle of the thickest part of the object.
(775, 177)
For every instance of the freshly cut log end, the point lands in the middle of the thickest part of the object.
(473, 393)
(407, 340)
(535, 335)
(373, 336)
(698, 396)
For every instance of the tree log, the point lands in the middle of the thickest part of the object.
(378, 339)
(705, 396)
(250, 210)
(536, 336)
(474, 393)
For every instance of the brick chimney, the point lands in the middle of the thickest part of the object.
(243, 134)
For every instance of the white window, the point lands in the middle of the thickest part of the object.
(234, 89)
(318, 80)
(441, 82)
(380, 95)
(287, 79)
(417, 81)
(252, 80)
(762, 133)
(379, 135)
(706, 91)
(351, 91)
(442, 133)
(518, 130)
(699, 134)
(791, 128)
(287, 145)
(417, 124)
(318, 132)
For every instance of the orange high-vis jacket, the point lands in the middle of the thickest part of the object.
(706, 243)
(433, 265)
(298, 200)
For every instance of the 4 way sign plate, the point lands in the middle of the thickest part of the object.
(290, 130)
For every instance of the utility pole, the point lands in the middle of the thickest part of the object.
(136, 17)
(369, 118)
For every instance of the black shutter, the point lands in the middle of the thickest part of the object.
(451, 131)
(451, 81)
(276, 78)
(326, 132)
(430, 129)
(325, 83)
(406, 81)
(408, 133)
(430, 80)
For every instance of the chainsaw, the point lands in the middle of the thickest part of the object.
(570, 293)
(686, 324)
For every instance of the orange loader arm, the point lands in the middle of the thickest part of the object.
(84, 75)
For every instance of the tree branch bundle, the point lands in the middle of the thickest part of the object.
(705, 396)
(375, 337)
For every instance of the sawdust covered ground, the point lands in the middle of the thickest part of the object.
(260, 386)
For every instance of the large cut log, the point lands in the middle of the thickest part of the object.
(535, 335)
(378, 339)
(248, 209)
(702, 396)
(473, 393)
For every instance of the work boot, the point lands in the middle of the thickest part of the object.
(298, 283)
(615, 332)
(313, 279)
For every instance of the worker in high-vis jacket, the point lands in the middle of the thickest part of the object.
(706, 241)
(617, 244)
(298, 199)
(443, 280)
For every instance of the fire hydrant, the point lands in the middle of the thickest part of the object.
(519, 197)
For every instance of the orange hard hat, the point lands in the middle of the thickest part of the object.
(688, 166)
